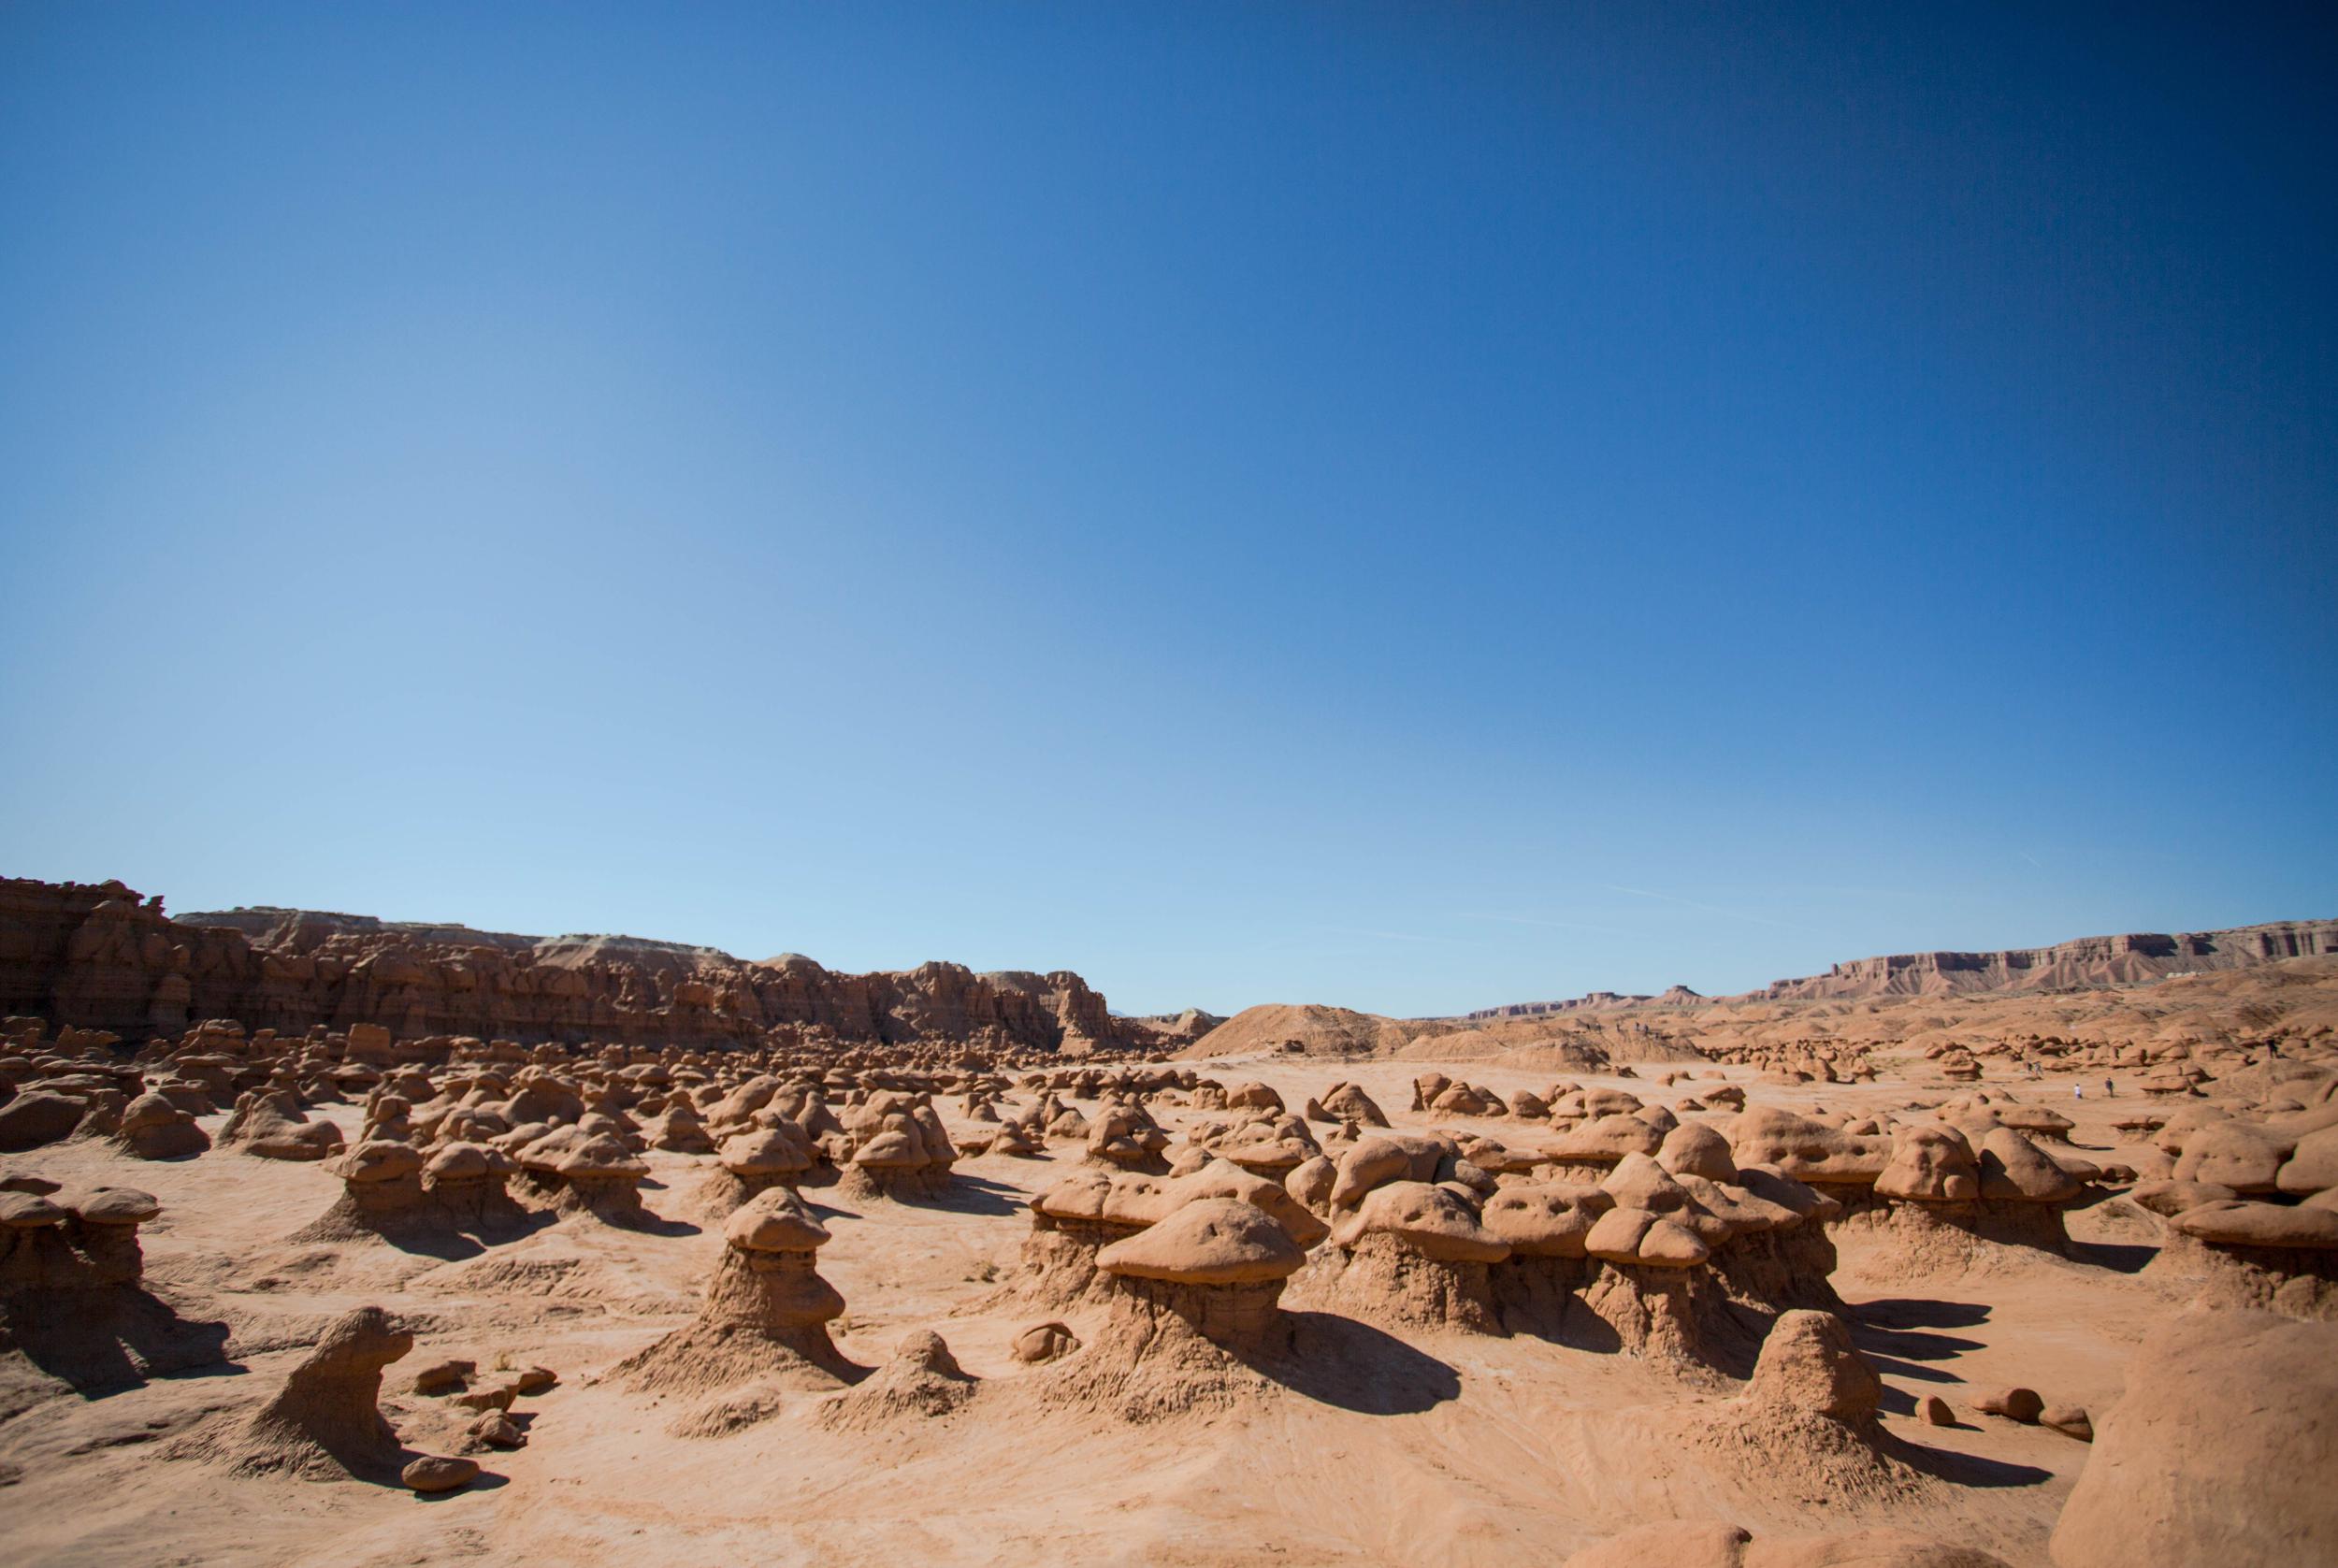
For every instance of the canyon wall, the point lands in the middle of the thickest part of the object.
(98, 955)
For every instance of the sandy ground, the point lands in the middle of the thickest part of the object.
(1465, 1450)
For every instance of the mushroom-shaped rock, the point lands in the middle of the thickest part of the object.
(679, 1129)
(751, 1161)
(1126, 1136)
(1210, 1241)
(1638, 1182)
(1931, 1164)
(1426, 1219)
(1552, 1219)
(2169, 1199)
(2239, 1155)
(465, 1185)
(1218, 1179)
(2245, 1224)
(765, 1311)
(2016, 1169)
(1640, 1236)
(1605, 1140)
(27, 1211)
(2312, 1166)
(153, 1128)
(114, 1205)
(1807, 1149)
(378, 1161)
(766, 1155)
(1367, 1164)
(1695, 1149)
(775, 1222)
(598, 1175)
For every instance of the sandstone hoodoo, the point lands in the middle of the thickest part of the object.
(1218, 1263)
(1413, 1253)
(325, 1421)
(899, 1148)
(765, 1313)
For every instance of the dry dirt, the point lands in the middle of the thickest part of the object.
(1429, 1448)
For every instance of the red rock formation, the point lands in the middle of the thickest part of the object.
(100, 957)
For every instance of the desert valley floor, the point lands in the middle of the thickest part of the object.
(1410, 1391)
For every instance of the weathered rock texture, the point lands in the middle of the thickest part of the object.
(98, 955)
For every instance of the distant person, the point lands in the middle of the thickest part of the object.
(2078, 1091)
(2110, 1090)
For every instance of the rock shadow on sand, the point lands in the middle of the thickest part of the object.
(1351, 1365)
(118, 1345)
(1963, 1469)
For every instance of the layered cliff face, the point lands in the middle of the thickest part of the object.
(2087, 963)
(97, 955)
(2090, 963)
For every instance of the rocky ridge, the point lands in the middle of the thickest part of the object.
(101, 956)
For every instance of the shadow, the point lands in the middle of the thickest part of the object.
(1920, 1311)
(1354, 1366)
(644, 1223)
(448, 1238)
(1910, 1343)
(1578, 1328)
(1897, 1401)
(111, 1340)
(1892, 1366)
(2124, 1258)
(1963, 1469)
(1902, 1351)
(829, 1211)
(970, 1195)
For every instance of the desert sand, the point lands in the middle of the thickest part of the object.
(1767, 1281)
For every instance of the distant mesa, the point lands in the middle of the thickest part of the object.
(2089, 963)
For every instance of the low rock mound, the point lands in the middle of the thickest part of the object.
(923, 1380)
(2221, 1450)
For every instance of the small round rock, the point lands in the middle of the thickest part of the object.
(433, 1472)
(2015, 1405)
(1045, 1342)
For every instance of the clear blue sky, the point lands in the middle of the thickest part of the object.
(1414, 508)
